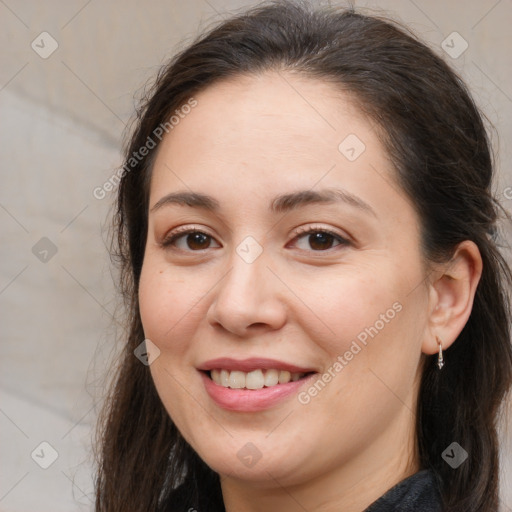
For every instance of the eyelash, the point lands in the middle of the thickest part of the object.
(170, 239)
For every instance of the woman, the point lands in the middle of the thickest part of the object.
(308, 245)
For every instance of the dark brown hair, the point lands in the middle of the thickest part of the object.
(439, 146)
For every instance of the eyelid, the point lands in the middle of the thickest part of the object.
(315, 228)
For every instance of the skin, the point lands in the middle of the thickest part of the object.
(248, 140)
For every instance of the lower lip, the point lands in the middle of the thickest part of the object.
(251, 400)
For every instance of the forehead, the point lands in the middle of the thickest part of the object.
(273, 108)
(280, 120)
(258, 136)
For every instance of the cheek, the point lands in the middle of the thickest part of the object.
(154, 301)
(370, 318)
(166, 302)
(343, 306)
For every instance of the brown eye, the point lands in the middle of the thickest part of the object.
(190, 240)
(320, 240)
(197, 241)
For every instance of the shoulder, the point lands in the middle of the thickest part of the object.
(187, 498)
(417, 493)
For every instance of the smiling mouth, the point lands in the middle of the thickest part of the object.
(256, 379)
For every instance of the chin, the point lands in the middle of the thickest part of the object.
(251, 465)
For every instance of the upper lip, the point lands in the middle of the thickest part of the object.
(253, 363)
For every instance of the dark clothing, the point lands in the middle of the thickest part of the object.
(417, 493)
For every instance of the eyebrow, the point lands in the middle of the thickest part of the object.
(280, 204)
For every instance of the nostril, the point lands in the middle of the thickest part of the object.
(258, 325)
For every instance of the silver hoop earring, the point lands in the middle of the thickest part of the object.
(440, 360)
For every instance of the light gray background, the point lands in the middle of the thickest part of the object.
(61, 123)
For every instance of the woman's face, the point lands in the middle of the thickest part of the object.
(279, 155)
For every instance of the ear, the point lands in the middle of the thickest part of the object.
(451, 293)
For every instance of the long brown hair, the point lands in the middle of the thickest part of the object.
(438, 143)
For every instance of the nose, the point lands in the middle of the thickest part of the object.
(248, 299)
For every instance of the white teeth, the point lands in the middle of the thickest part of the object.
(284, 377)
(254, 380)
(224, 378)
(257, 379)
(237, 380)
(271, 378)
(215, 374)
